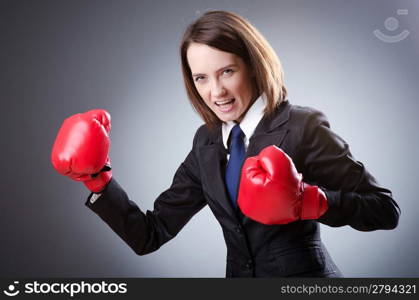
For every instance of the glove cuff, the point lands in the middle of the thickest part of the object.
(314, 203)
(99, 182)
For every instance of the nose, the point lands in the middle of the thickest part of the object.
(217, 89)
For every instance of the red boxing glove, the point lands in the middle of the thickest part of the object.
(272, 191)
(81, 149)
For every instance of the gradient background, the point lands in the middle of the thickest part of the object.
(58, 58)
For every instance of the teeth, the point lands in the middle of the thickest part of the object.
(224, 102)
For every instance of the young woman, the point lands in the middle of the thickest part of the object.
(269, 170)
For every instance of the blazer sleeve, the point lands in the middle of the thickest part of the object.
(353, 194)
(146, 232)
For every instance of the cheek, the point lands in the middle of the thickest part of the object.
(200, 91)
(204, 94)
(244, 88)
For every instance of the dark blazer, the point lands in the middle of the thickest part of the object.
(254, 249)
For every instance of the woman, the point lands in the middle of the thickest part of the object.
(234, 80)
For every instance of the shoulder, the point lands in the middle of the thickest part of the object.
(307, 115)
(303, 123)
(203, 136)
(298, 119)
(291, 116)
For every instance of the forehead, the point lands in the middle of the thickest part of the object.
(205, 59)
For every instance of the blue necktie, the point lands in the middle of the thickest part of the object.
(237, 153)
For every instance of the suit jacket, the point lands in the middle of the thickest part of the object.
(255, 249)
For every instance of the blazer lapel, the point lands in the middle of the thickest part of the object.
(214, 156)
(213, 159)
(258, 143)
(268, 131)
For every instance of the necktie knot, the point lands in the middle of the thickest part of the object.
(236, 132)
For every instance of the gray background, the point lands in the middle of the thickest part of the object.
(58, 58)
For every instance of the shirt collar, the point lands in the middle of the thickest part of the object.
(249, 122)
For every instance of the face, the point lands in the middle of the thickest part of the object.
(222, 80)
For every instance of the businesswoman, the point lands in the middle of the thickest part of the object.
(269, 170)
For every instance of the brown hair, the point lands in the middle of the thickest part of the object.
(231, 33)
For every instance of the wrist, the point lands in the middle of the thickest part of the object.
(314, 202)
(99, 183)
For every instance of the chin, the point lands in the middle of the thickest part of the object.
(233, 116)
(226, 119)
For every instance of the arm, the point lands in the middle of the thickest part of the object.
(147, 232)
(353, 195)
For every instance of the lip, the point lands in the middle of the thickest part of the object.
(226, 109)
(223, 101)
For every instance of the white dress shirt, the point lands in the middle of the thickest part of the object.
(248, 124)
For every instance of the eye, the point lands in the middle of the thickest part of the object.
(197, 78)
(228, 71)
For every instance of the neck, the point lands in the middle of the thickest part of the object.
(254, 98)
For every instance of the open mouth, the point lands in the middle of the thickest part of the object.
(225, 106)
(225, 103)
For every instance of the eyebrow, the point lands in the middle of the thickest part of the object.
(230, 65)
